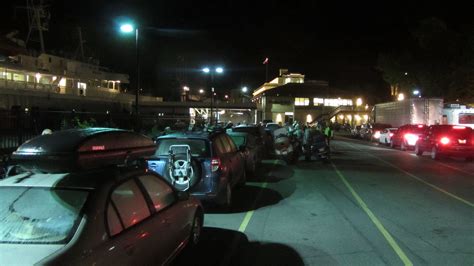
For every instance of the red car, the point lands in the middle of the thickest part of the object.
(447, 140)
(407, 136)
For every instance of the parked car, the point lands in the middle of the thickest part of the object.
(449, 140)
(74, 205)
(207, 164)
(407, 136)
(373, 133)
(252, 150)
(261, 137)
(386, 135)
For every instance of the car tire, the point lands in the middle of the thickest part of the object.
(196, 230)
(418, 151)
(403, 146)
(194, 179)
(226, 197)
(434, 153)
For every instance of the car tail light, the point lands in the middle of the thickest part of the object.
(411, 139)
(215, 164)
(444, 140)
(459, 127)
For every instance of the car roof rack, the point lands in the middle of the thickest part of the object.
(82, 149)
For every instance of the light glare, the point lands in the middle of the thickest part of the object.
(127, 28)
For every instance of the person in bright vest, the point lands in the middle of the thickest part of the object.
(328, 133)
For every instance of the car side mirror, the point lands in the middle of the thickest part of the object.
(183, 195)
(242, 147)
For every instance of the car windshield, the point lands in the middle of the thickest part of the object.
(238, 140)
(199, 147)
(39, 215)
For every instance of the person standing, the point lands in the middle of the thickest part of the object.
(328, 133)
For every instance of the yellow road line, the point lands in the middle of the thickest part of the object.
(375, 220)
(420, 180)
(249, 214)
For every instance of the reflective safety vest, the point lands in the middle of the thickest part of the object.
(328, 132)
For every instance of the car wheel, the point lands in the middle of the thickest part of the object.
(434, 153)
(226, 200)
(418, 151)
(196, 230)
(403, 146)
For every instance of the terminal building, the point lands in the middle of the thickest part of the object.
(290, 97)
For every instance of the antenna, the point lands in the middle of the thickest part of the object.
(38, 20)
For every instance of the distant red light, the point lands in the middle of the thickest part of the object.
(98, 148)
(444, 140)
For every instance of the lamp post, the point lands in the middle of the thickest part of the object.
(217, 70)
(128, 28)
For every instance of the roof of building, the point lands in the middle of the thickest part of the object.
(306, 90)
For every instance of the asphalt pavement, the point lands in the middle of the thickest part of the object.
(371, 205)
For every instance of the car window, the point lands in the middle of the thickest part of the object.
(113, 221)
(130, 203)
(238, 140)
(198, 147)
(160, 193)
(39, 215)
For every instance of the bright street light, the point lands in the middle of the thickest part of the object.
(219, 70)
(245, 89)
(206, 70)
(416, 92)
(201, 91)
(185, 88)
(127, 28)
(226, 96)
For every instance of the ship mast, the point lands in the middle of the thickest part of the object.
(38, 20)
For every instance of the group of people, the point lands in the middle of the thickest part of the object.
(304, 133)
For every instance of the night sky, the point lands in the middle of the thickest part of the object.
(337, 41)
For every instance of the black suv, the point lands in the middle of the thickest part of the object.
(447, 140)
(207, 164)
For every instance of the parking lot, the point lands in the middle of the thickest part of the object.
(370, 205)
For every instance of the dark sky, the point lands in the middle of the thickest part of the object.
(336, 41)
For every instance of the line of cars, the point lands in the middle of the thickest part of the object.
(108, 196)
(437, 140)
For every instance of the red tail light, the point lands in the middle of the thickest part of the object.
(444, 140)
(215, 164)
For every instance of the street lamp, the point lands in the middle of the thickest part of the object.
(201, 91)
(245, 89)
(129, 28)
(401, 97)
(207, 70)
(185, 88)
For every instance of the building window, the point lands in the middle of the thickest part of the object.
(318, 101)
(301, 101)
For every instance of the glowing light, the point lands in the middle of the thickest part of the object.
(377, 134)
(185, 88)
(62, 82)
(201, 91)
(401, 97)
(416, 92)
(459, 127)
(245, 89)
(279, 118)
(366, 117)
(411, 139)
(341, 116)
(358, 102)
(38, 77)
(444, 140)
(127, 28)
(219, 70)
(309, 118)
(206, 70)
(55, 78)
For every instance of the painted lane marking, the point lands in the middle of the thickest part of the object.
(249, 214)
(403, 257)
(419, 179)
